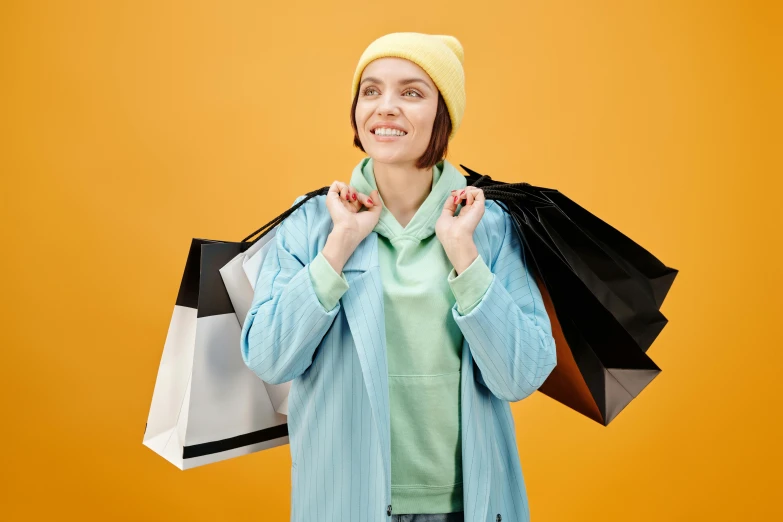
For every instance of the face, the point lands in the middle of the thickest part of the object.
(395, 93)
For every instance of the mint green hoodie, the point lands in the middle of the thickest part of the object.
(424, 344)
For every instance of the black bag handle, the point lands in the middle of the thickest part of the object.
(493, 189)
(276, 221)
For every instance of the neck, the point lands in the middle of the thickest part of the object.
(403, 188)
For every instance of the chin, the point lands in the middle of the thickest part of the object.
(387, 156)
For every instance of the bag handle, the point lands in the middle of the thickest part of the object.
(279, 219)
(497, 190)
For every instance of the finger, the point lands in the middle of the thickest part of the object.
(334, 190)
(355, 197)
(364, 200)
(450, 205)
(350, 195)
(471, 196)
(353, 200)
(476, 196)
(461, 196)
(344, 193)
(340, 188)
(374, 199)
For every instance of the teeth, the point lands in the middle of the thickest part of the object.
(389, 132)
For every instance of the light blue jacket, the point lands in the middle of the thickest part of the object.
(338, 418)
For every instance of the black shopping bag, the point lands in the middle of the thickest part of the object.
(602, 290)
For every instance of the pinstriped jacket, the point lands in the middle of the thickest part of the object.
(338, 419)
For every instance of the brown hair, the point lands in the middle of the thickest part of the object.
(439, 141)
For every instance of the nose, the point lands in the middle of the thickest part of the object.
(387, 104)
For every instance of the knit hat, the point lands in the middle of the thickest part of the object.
(441, 56)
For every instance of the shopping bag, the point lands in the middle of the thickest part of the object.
(600, 367)
(602, 292)
(207, 405)
(629, 281)
(641, 266)
(239, 277)
(241, 273)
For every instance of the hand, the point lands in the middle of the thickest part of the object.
(456, 232)
(346, 206)
(450, 228)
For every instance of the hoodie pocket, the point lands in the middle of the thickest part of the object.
(425, 429)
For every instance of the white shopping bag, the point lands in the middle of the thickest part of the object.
(207, 405)
(241, 273)
(239, 277)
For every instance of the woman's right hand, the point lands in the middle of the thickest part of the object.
(354, 214)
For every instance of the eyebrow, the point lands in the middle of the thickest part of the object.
(405, 81)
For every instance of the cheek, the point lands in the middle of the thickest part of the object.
(425, 120)
(360, 115)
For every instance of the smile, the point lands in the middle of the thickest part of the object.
(389, 135)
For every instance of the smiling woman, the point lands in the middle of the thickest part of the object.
(429, 127)
(402, 344)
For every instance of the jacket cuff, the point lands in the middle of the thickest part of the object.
(329, 286)
(470, 286)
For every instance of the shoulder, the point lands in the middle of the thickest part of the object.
(494, 218)
(311, 213)
(491, 231)
(310, 224)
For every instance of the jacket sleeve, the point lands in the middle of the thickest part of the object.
(508, 329)
(287, 320)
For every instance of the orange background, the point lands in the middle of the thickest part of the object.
(129, 128)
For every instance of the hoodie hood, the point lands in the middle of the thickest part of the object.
(445, 178)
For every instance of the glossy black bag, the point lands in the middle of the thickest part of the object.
(603, 294)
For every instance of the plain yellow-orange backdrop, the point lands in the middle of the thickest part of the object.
(130, 127)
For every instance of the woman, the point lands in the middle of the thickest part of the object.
(404, 328)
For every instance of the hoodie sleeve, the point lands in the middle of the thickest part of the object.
(471, 285)
(508, 331)
(329, 286)
(286, 321)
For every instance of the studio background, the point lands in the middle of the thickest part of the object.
(128, 128)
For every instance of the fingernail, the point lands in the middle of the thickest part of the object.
(461, 193)
(354, 196)
(455, 199)
(370, 201)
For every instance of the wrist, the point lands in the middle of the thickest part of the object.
(339, 246)
(461, 254)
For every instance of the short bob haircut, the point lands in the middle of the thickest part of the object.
(439, 141)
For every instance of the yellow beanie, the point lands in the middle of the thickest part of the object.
(441, 56)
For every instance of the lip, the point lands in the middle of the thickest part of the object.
(388, 125)
(387, 138)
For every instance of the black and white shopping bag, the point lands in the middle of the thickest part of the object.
(241, 273)
(207, 405)
(239, 277)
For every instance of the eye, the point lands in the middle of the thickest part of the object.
(370, 89)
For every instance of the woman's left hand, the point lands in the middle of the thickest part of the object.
(456, 232)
